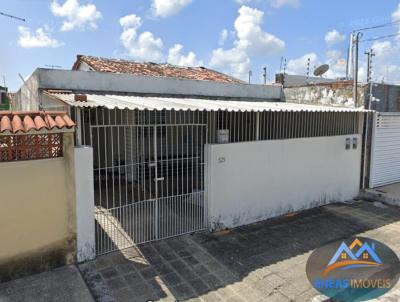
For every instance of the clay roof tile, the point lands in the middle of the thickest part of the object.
(39, 122)
(5, 124)
(28, 121)
(16, 124)
(50, 121)
(153, 69)
(60, 122)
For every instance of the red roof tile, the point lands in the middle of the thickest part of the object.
(28, 121)
(153, 69)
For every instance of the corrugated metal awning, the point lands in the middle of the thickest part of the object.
(112, 101)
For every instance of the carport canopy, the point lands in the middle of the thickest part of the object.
(134, 102)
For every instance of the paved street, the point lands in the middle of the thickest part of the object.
(63, 284)
(261, 262)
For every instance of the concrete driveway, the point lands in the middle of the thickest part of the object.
(261, 262)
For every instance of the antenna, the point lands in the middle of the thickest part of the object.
(370, 54)
(320, 70)
(265, 74)
(284, 66)
(53, 66)
(12, 17)
(308, 68)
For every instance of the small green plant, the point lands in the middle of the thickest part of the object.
(5, 102)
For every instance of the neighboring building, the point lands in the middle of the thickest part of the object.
(337, 93)
(89, 63)
(291, 80)
(382, 147)
(173, 155)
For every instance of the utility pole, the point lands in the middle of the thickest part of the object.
(370, 54)
(12, 17)
(356, 40)
(250, 75)
(349, 57)
(265, 75)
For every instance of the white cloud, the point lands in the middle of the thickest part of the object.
(147, 47)
(167, 8)
(337, 64)
(333, 37)
(39, 39)
(333, 55)
(251, 40)
(222, 37)
(144, 46)
(274, 3)
(241, 2)
(251, 36)
(177, 58)
(280, 3)
(334, 58)
(234, 60)
(385, 64)
(299, 65)
(383, 50)
(130, 21)
(396, 14)
(76, 15)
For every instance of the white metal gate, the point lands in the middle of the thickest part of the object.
(385, 149)
(149, 182)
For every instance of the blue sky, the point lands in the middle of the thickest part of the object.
(232, 36)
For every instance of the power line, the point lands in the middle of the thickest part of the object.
(12, 17)
(381, 37)
(377, 26)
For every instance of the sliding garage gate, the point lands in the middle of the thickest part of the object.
(385, 149)
(149, 165)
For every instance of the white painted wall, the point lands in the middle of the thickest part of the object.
(249, 182)
(84, 203)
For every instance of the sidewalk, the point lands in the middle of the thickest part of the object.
(64, 284)
(255, 263)
(265, 261)
(389, 194)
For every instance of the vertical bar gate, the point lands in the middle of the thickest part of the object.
(149, 182)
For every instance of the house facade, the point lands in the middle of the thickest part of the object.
(179, 155)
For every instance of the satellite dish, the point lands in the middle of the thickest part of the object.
(320, 70)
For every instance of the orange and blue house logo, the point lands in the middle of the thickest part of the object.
(358, 254)
(355, 269)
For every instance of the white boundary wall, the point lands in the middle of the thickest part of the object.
(84, 203)
(250, 182)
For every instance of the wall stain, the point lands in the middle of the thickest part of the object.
(47, 258)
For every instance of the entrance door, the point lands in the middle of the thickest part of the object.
(149, 183)
(385, 149)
